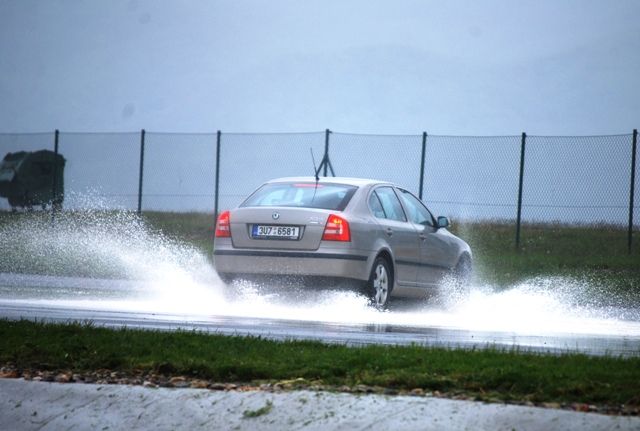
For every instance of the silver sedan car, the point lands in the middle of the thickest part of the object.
(373, 234)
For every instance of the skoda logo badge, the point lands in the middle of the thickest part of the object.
(275, 216)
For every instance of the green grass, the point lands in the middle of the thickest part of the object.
(195, 228)
(485, 374)
(593, 253)
(596, 252)
(599, 251)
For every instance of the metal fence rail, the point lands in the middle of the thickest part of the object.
(585, 180)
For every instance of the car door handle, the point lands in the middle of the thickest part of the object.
(389, 231)
(423, 236)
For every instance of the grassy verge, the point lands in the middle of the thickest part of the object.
(546, 249)
(484, 375)
(196, 229)
(596, 252)
(593, 253)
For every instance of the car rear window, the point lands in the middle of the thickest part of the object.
(302, 195)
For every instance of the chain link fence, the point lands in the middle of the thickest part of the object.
(179, 172)
(577, 179)
(473, 178)
(101, 169)
(520, 180)
(248, 160)
(397, 159)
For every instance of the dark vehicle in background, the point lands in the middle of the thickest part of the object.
(373, 234)
(28, 179)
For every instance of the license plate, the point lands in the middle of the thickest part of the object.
(261, 231)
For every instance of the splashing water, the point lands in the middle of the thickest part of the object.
(113, 260)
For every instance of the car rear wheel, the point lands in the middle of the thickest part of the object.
(380, 284)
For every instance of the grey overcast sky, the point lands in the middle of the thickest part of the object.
(557, 67)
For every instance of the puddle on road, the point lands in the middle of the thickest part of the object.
(125, 266)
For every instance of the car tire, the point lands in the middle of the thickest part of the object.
(227, 278)
(461, 274)
(57, 205)
(380, 284)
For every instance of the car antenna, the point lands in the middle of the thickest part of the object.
(315, 170)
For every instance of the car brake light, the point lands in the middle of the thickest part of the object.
(337, 229)
(223, 227)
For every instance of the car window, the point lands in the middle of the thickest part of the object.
(376, 206)
(302, 195)
(390, 204)
(417, 212)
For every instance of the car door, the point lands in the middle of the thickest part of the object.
(398, 232)
(436, 251)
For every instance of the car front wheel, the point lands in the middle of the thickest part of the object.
(461, 274)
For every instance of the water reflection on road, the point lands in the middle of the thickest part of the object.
(543, 314)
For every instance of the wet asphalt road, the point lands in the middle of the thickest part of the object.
(116, 303)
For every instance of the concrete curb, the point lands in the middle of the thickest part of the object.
(27, 405)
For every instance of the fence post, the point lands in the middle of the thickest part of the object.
(326, 151)
(519, 216)
(424, 147)
(54, 186)
(142, 135)
(217, 185)
(632, 188)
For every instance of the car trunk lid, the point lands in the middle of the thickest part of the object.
(280, 228)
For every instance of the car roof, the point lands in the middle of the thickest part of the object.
(339, 180)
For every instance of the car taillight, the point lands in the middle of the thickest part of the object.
(337, 229)
(223, 227)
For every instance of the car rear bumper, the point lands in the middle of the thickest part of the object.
(235, 262)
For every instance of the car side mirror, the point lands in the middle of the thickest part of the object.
(443, 222)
